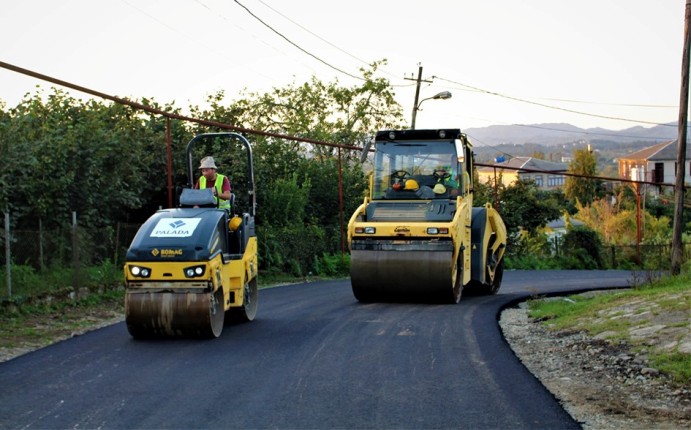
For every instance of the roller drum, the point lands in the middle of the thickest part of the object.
(395, 275)
(174, 314)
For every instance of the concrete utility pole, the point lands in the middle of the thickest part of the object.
(677, 251)
(417, 94)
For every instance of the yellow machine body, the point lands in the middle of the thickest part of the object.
(191, 269)
(427, 243)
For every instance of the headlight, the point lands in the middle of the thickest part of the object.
(194, 271)
(140, 272)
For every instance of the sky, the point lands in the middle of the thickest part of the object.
(613, 64)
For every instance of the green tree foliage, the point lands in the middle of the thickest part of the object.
(108, 162)
(60, 154)
(524, 207)
(616, 226)
(583, 189)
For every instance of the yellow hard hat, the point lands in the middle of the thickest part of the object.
(439, 189)
(411, 184)
(234, 223)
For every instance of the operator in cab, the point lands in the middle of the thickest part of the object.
(212, 179)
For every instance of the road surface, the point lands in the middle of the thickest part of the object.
(314, 358)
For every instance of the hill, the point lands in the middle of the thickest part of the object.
(559, 133)
(556, 141)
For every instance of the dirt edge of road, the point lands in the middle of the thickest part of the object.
(600, 384)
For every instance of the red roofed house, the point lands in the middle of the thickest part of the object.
(657, 164)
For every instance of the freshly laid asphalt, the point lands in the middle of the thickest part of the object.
(314, 358)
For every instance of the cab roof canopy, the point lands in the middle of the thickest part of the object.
(434, 134)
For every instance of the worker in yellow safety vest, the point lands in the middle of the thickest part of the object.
(211, 179)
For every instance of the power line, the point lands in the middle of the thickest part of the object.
(329, 43)
(494, 93)
(607, 103)
(296, 45)
(314, 34)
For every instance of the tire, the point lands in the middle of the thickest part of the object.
(248, 311)
(493, 287)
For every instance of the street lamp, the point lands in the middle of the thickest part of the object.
(444, 95)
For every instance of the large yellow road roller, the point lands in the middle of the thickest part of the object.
(417, 235)
(191, 269)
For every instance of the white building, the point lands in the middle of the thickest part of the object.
(656, 164)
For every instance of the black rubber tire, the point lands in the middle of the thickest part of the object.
(216, 314)
(248, 311)
(493, 287)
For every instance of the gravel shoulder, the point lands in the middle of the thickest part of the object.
(603, 385)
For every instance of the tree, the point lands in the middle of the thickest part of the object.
(580, 188)
(522, 205)
(524, 208)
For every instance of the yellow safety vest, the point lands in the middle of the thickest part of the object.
(225, 204)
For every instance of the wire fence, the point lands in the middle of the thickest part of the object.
(69, 251)
(70, 246)
(77, 246)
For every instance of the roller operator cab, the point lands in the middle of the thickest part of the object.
(191, 269)
(417, 235)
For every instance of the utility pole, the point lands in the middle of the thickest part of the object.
(677, 251)
(417, 94)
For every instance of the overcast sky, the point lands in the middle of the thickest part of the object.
(616, 62)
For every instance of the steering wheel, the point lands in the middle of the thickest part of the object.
(400, 175)
(441, 176)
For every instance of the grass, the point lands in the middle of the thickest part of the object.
(614, 315)
(35, 323)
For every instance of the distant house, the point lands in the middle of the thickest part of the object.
(657, 164)
(547, 175)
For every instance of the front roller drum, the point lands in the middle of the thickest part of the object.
(170, 314)
(389, 275)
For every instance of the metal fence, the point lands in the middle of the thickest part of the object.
(69, 246)
(652, 257)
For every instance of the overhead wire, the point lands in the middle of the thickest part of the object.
(464, 87)
(298, 46)
(328, 42)
(497, 94)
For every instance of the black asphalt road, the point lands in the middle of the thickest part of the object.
(314, 358)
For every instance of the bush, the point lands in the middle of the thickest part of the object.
(583, 245)
(332, 265)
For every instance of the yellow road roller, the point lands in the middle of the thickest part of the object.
(191, 269)
(417, 235)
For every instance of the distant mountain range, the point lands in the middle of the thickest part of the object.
(558, 134)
